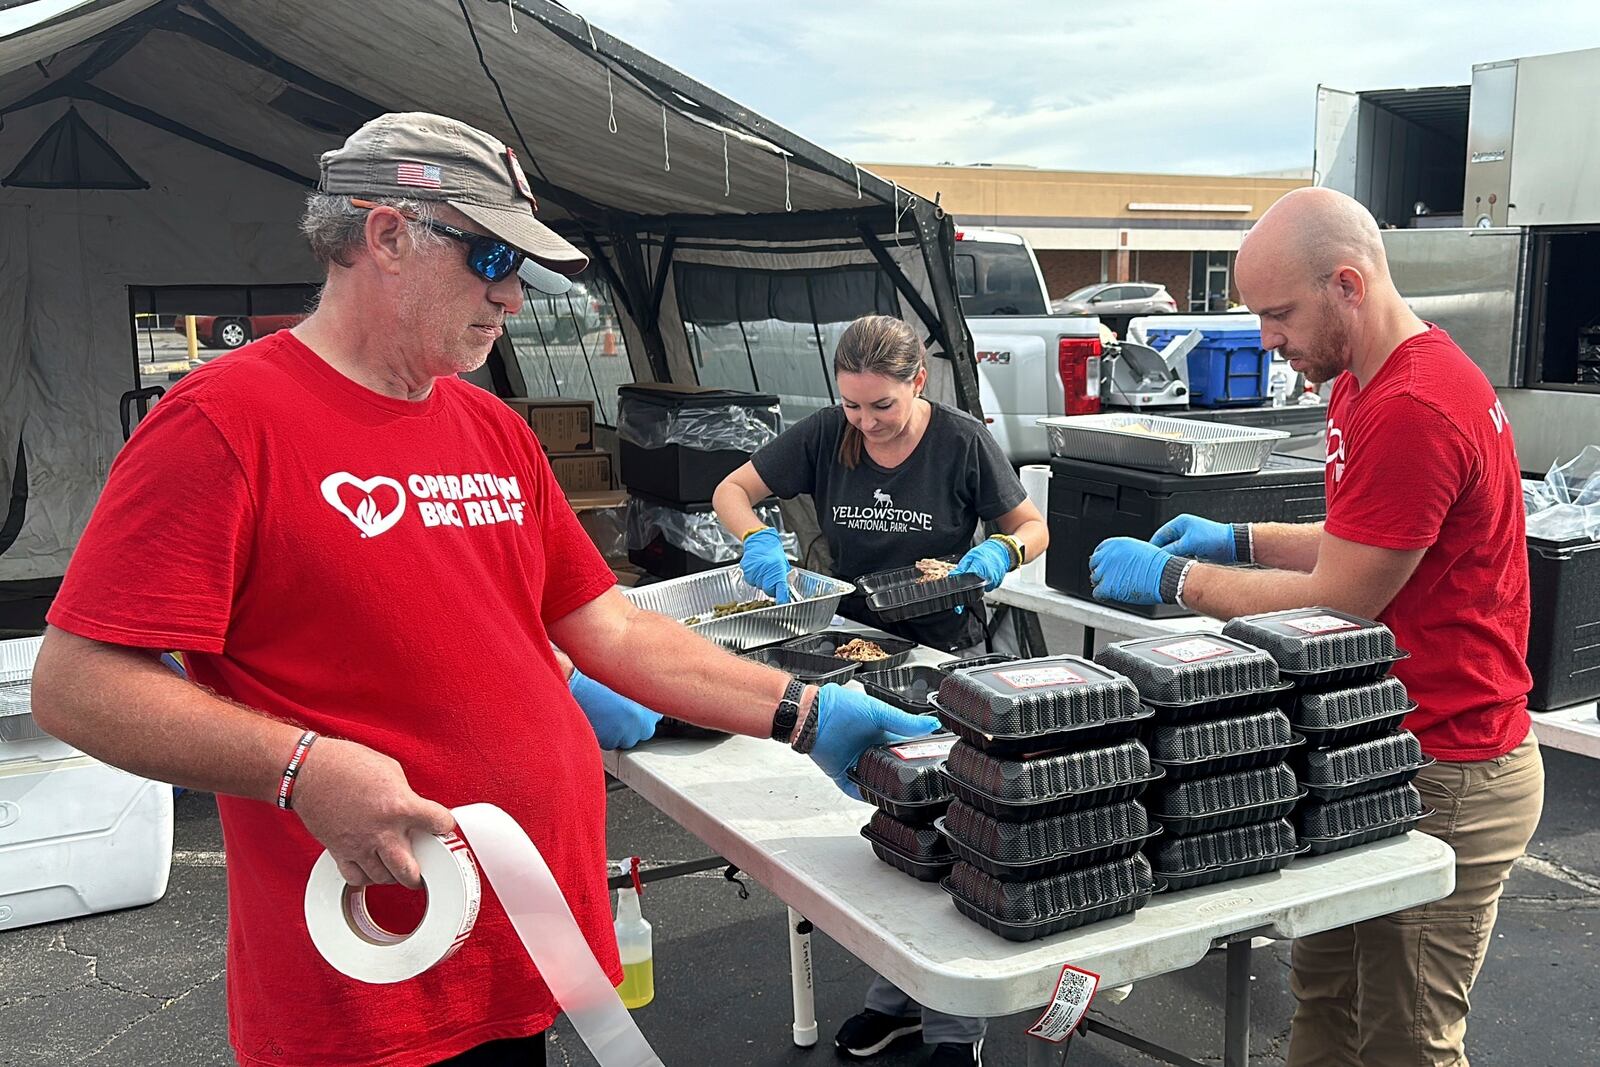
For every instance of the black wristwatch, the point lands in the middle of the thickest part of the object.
(788, 712)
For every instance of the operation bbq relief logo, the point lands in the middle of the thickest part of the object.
(374, 505)
(882, 516)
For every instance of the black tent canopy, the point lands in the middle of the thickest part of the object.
(223, 106)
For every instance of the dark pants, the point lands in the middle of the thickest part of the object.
(510, 1052)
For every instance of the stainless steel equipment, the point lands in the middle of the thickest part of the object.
(1136, 376)
(699, 594)
(1156, 443)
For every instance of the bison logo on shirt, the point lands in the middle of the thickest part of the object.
(373, 506)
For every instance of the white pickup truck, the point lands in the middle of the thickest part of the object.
(1032, 363)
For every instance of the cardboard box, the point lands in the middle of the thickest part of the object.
(604, 517)
(561, 424)
(582, 472)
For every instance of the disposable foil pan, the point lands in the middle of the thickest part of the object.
(1155, 443)
(699, 594)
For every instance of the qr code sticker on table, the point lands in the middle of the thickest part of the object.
(1074, 990)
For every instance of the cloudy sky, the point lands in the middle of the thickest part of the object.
(1144, 85)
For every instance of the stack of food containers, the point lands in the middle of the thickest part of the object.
(904, 782)
(1359, 763)
(1045, 821)
(1224, 748)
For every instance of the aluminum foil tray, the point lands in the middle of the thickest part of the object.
(1216, 746)
(1194, 668)
(1023, 911)
(1051, 784)
(1155, 443)
(698, 594)
(1335, 773)
(904, 778)
(1203, 859)
(1019, 851)
(1339, 716)
(1200, 805)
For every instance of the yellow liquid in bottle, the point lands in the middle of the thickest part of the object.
(638, 986)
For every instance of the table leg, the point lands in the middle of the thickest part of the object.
(805, 1006)
(1042, 1053)
(1236, 1025)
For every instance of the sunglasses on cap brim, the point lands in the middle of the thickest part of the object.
(489, 257)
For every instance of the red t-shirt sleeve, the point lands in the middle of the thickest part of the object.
(167, 544)
(1403, 473)
(575, 572)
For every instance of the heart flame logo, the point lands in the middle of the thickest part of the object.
(367, 516)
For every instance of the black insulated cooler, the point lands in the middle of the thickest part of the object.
(1090, 502)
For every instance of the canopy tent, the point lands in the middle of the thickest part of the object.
(222, 108)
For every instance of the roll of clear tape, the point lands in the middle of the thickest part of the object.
(356, 946)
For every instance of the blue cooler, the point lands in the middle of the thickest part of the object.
(1227, 368)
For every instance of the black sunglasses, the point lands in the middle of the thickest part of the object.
(489, 257)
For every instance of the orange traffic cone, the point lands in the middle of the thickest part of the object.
(610, 344)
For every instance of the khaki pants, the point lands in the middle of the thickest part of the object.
(1392, 991)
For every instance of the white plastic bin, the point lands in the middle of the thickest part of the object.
(20, 737)
(78, 837)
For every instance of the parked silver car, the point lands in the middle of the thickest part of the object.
(1116, 298)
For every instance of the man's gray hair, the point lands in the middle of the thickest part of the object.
(336, 228)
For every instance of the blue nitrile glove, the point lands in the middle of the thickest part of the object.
(849, 722)
(1197, 538)
(1129, 571)
(618, 722)
(764, 564)
(991, 561)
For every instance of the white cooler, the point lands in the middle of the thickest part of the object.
(76, 836)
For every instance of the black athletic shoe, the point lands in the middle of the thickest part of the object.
(864, 1036)
(952, 1054)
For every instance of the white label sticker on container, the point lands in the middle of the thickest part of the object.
(1040, 677)
(1196, 648)
(924, 749)
(1321, 624)
(1074, 990)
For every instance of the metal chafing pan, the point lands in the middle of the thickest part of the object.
(698, 594)
(1151, 442)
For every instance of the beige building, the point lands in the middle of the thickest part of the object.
(1177, 230)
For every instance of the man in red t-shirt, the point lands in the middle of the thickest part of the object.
(351, 542)
(1424, 532)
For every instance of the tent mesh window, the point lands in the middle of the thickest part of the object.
(70, 155)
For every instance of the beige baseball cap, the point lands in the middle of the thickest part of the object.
(421, 156)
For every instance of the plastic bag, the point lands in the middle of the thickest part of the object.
(731, 427)
(697, 534)
(1567, 506)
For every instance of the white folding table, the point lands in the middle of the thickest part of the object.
(771, 813)
(1091, 614)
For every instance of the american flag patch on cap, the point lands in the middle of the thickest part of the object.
(427, 175)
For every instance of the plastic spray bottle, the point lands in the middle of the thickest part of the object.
(638, 986)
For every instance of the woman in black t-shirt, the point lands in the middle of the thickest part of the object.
(896, 478)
